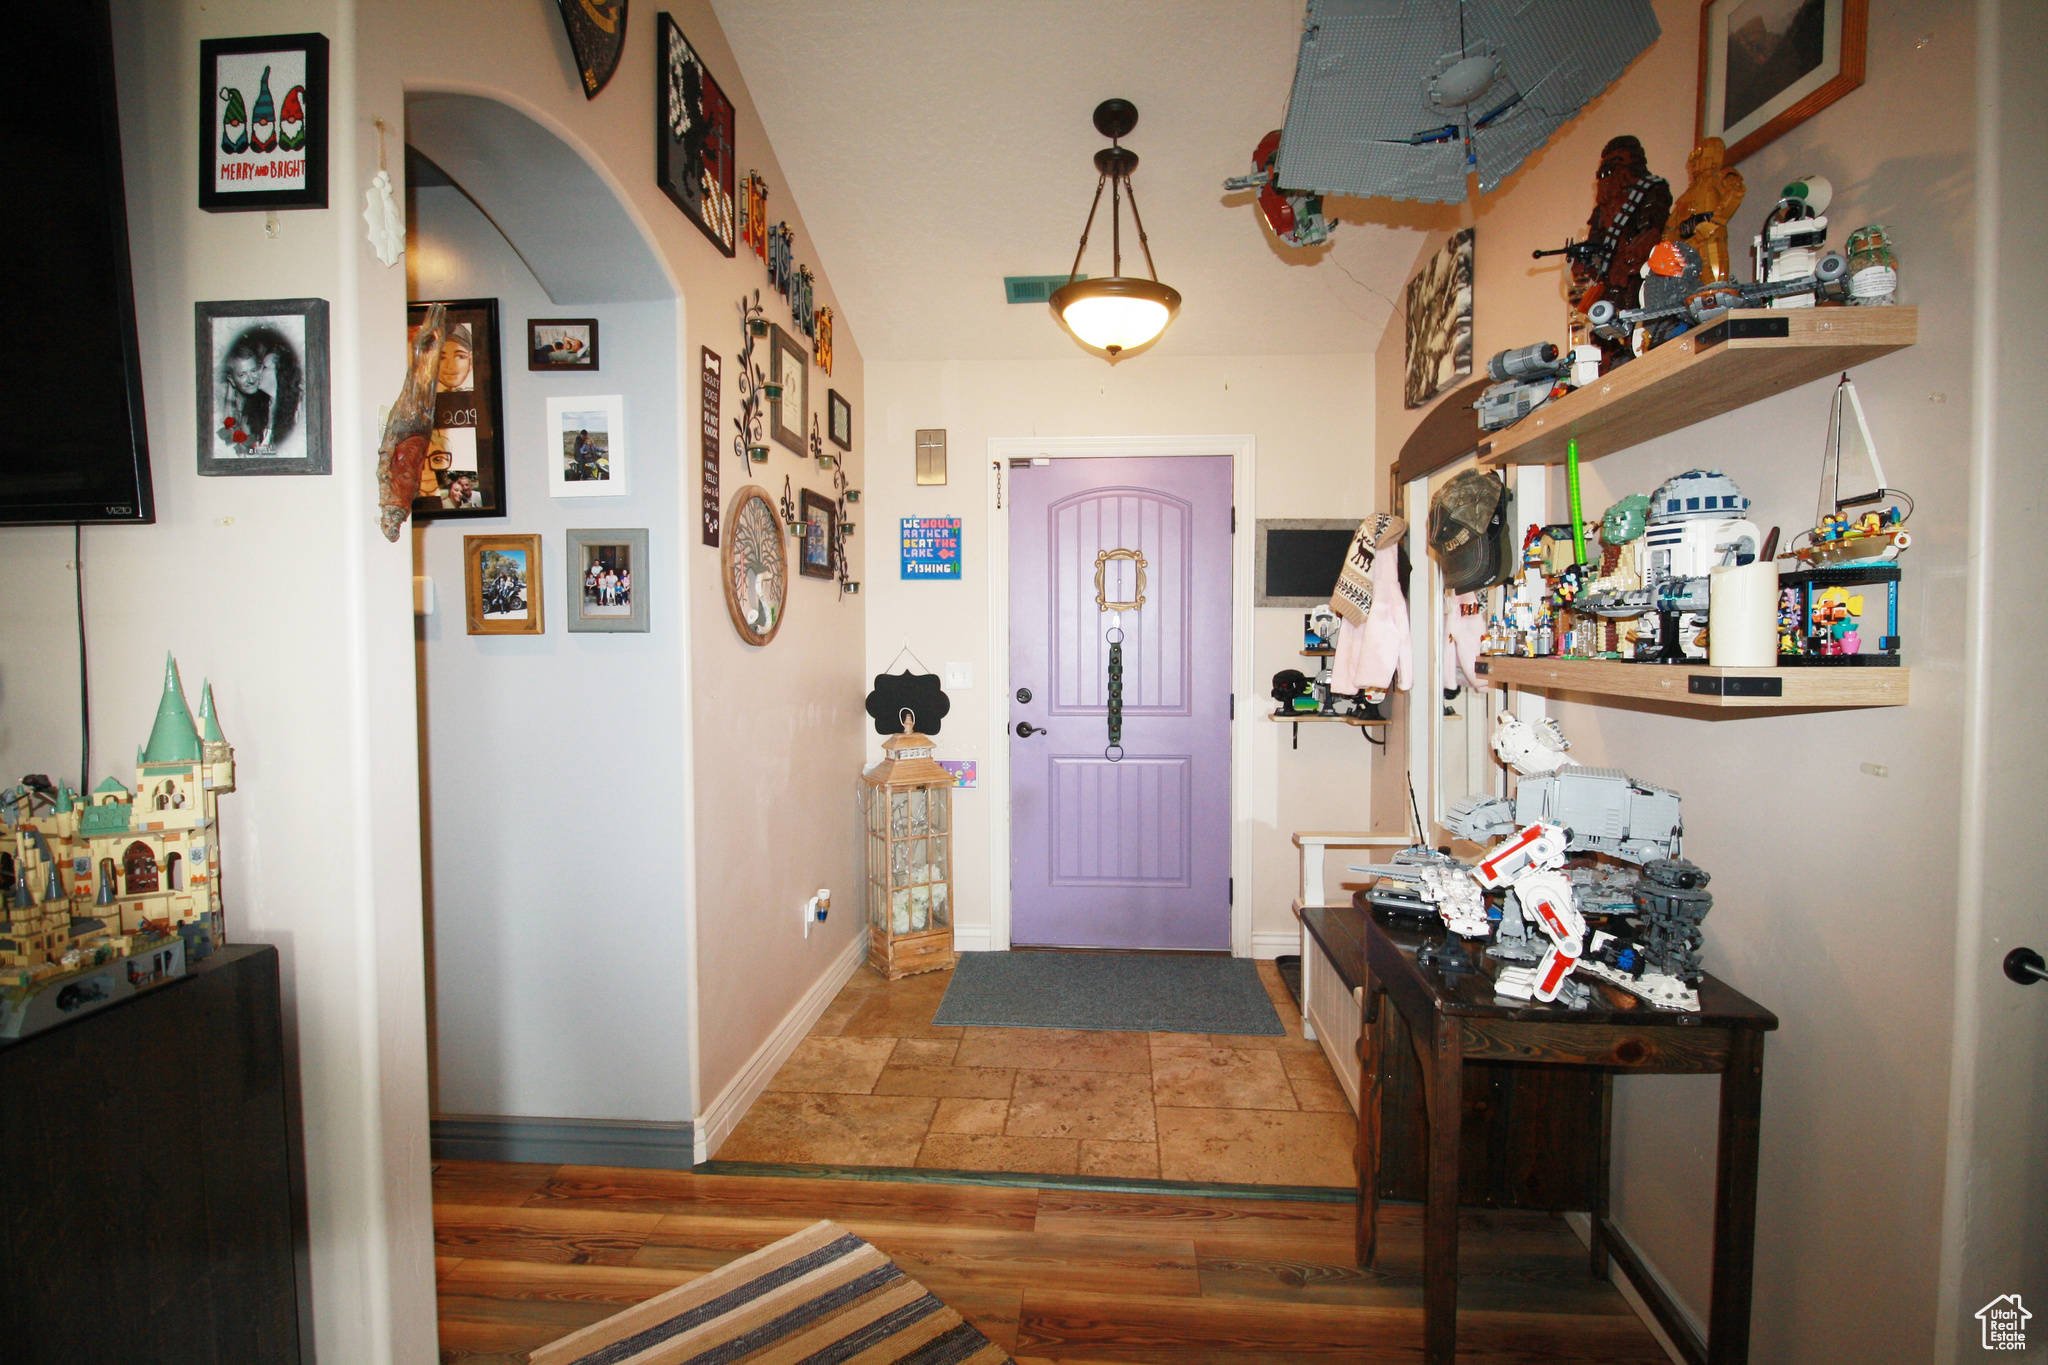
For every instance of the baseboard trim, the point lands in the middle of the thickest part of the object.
(1276, 943)
(1100, 1184)
(973, 938)
(562, 1142)
(724, 1113)
(1682, 1336)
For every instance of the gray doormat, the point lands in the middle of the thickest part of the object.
(1119, 992)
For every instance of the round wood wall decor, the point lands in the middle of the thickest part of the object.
(756, 569)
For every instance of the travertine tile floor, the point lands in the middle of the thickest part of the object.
(877, 1084)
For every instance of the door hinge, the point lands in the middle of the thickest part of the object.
(1233, 706)
(1233, 521)
(1233, 890)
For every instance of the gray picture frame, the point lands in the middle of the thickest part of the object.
(1263, 529)
(272, 336)
(584, 615)
(789, 364)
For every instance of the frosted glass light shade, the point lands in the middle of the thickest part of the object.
(1115, 314)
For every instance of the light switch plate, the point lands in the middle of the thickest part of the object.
(959, 677)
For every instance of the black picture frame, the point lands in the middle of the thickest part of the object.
(468, 422)
(261, 385)
(818, 556)
(696, 151)
(538, 346)
(839, 420)
(789, 364)
(221, 166)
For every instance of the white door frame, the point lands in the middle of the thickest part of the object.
(1243, 453)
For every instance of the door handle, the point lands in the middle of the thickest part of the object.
(1025, 729)
(2025, 966)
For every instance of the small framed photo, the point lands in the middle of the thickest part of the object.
(562, 344)
(501, 575)
(819, 558)
(587, 447)
(1767, 66)
(608, 580)
(262, 386)
(696, 159)
(263, 123)
(465, 473)
(840, 419)
(789, 364)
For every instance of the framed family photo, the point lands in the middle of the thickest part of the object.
(821, 536)
(263, 123)
(562, 344)
(695, 154)
(608, 580)
(1767, 66)
(839, 414)
(262, 386)
(789, 365)
(465, 473)
(501, 579)
(587, 456)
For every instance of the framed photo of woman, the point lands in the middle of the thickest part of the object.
(465, 473)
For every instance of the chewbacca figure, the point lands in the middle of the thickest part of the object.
(1630, 207)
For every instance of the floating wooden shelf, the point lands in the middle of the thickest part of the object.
(1363, 722)
(1748, 355)
(1751, 689)
(1320, 653)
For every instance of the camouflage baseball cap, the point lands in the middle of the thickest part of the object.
(1465, 521)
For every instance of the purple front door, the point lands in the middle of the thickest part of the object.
(1133, 853)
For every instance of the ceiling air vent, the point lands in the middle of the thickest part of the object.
(1033, 288)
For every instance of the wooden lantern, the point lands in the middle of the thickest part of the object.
(910, 858)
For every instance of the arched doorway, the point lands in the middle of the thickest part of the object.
(138, 869)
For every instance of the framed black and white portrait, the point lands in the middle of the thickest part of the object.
(262, 386)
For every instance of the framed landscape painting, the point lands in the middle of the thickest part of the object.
(1767, 66)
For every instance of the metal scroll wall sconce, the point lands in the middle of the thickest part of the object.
(1116, 314)
(1115, 636)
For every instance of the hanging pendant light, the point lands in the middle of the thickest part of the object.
(1116, 314)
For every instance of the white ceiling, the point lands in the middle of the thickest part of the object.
(936, 147)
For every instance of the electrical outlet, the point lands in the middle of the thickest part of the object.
(959, 677)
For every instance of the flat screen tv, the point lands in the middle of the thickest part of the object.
(73, 444)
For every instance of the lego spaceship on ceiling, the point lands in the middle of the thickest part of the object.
(1400, 99)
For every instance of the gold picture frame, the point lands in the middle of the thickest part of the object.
(1778, 80)
(502, 581)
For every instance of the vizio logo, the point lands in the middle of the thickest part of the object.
(2005, 1323)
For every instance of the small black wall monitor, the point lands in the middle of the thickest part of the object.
(1299, 560)
(74, 446)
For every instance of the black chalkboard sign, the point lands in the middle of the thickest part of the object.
(1299, 560)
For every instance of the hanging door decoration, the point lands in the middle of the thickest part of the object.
(1115, 636)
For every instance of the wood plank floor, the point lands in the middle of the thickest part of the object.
(530, 1253)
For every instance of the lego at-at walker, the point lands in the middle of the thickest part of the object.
(111, 892)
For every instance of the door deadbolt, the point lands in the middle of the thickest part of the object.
(1023, 695)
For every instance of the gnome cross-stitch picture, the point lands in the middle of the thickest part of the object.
(264, 146)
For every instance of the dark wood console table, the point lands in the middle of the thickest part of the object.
(152, 1205)
(1452, 1018)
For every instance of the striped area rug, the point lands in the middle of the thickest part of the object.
(820, 1297)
